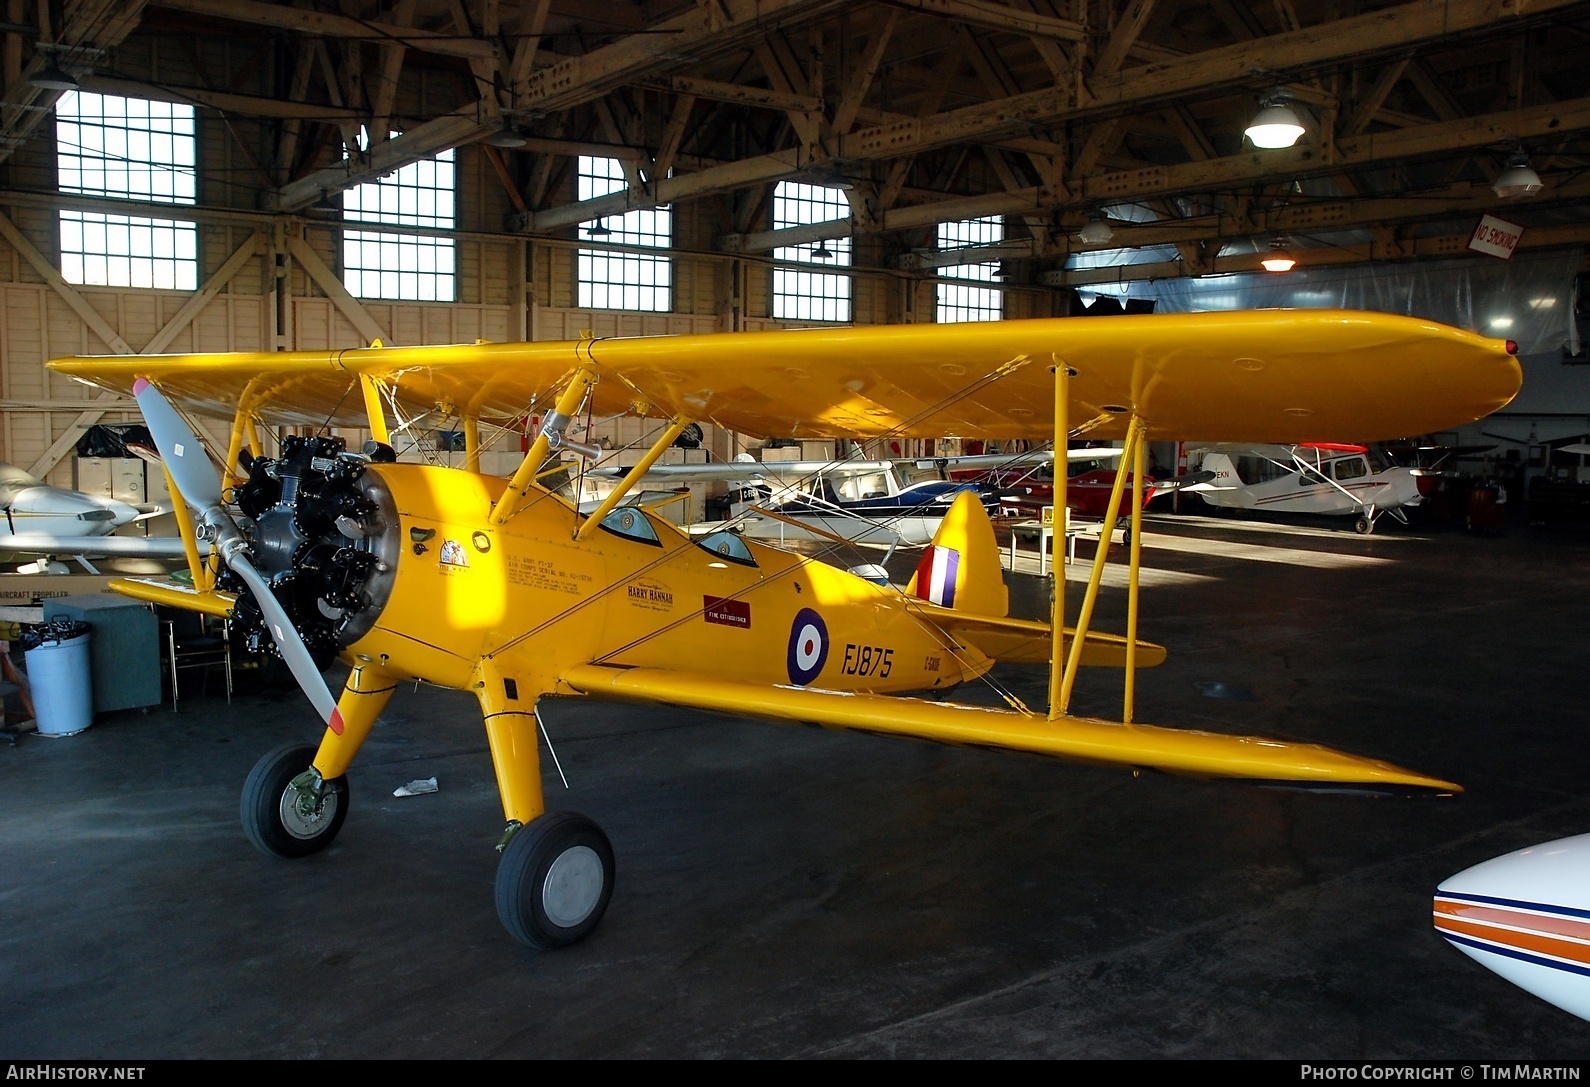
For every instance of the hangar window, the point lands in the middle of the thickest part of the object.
(130, 149)
(610, 279)
(405, 267)
(798, 294)
(971, 301)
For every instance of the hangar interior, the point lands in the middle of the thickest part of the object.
(214, 176)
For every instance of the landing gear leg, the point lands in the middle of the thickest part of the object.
(296, 797)
(556, 873)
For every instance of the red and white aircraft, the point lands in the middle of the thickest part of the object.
(1318, 478)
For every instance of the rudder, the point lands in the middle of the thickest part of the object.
(960, 569)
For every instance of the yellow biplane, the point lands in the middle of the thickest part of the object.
(503, 588)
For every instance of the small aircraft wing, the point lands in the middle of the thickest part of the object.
(1177, 751)
(111, 547)
(748, 471)
(1258, 375)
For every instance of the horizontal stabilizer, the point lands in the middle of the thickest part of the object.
(1082, 739)
(1023, 641)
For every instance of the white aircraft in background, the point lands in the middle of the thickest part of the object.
(1319, 478)
(42, 520)
(873, 501)
(1526, 916)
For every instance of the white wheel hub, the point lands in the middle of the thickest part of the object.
(306, 825)
(573, 886)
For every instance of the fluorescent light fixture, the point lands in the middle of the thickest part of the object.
(1519, 180)
(1501, 322)
(1276, 124)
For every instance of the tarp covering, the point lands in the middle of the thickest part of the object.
(1528, 299)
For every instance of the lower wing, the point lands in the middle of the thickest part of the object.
(1177, 751)
(175, 594)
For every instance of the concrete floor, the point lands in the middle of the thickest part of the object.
(790, 892)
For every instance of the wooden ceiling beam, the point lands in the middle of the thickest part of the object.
(1354, 40)
(328, 25)
(1251, 168)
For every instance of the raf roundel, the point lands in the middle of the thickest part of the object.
(808, 647)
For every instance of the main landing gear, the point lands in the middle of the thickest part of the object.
(287, 809)
(554, 880)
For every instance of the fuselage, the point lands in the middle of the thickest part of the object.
(636, 592)
(30, 507)
(1334, 487)
(1027, 489)
(871, 507)
(1526, 915)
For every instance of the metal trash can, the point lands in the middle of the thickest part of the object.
(59, 675)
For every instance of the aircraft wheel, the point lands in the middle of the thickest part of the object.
(1363, 526)
(554, 881)
(283, 820)
(1126, 536)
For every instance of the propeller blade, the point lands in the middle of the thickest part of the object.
(1191, 479)
(199, 484)
(287, 639)
(194, 475)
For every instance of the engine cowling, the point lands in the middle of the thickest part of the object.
(323, 530)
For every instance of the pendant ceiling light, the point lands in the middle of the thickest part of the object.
(506, 137)
(1276, 124)
(1096, 231)
(53, 78)
(1279, 259)
(1519, 180)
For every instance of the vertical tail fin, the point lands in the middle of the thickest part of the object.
(1226, 477)
(961, 569)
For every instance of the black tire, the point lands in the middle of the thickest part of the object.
(527, 885)
(1126, 536)
(1363, 526)
(269, 826)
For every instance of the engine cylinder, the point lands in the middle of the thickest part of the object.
(323, 530)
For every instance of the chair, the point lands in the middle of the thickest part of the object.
(193, 641)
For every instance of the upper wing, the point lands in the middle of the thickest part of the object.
(1179, 751)
(1267, 375)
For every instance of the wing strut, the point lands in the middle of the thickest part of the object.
(551, 437)
(625, 485)
(1057, 619)
(1129, 453)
